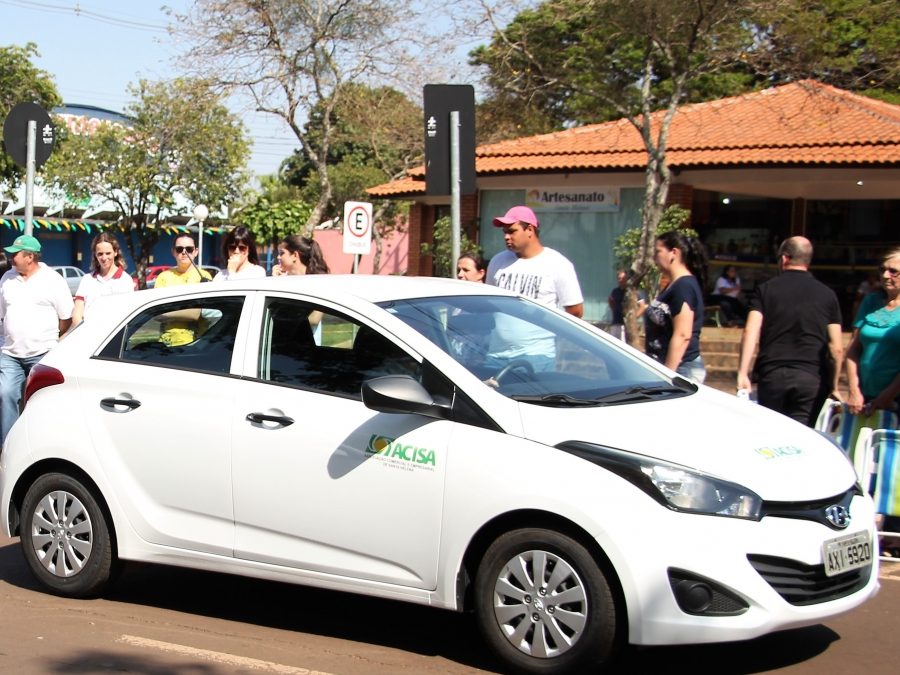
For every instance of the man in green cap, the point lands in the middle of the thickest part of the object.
(35, 308)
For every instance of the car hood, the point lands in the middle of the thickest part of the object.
(776, 457)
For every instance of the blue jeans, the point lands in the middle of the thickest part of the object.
(13, 372)
(694, 370)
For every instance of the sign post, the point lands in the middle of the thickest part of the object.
(450, 148)
(357, 230)
(20, 131)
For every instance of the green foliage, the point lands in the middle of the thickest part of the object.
(181, 142)
(578, 63)
(567, 62)
(626, 246)
(376, 137)
(22, 82)
(271, 221)
(851, 44)
(441, 249)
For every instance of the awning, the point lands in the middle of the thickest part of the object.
(90, 226)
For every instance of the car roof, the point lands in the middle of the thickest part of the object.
(372, 288)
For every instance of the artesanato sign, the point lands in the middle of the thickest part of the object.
(573, 199)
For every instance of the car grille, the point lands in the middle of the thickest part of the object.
(801, 584)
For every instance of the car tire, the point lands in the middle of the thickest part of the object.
(519, 617)
(66, 537)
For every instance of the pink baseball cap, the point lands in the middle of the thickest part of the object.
(517, 214)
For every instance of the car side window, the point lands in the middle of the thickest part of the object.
(315, 348)
(197, 334)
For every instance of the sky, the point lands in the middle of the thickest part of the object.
(94, 49)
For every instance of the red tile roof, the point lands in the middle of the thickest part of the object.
(803, 123)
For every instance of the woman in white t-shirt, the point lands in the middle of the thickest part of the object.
(239, 250)
(107, 275)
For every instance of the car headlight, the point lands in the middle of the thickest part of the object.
(677, 487)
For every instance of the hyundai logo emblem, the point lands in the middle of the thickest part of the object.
(838, 515)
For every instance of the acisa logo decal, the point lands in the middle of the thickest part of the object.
(389, 447)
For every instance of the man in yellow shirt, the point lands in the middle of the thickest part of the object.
(180, 327)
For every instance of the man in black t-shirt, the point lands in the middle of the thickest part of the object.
(796, 321)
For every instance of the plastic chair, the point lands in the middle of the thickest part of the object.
(877, 462)
(836, 421)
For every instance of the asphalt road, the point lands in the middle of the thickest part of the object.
(160, 620)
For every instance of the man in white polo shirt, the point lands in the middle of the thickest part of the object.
(35, 308)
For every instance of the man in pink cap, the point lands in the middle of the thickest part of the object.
(533, 270)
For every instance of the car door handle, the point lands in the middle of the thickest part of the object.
(115, 402)
(277, 419)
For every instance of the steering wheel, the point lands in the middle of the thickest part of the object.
(515, 364)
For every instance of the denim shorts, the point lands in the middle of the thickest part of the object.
(693, 370)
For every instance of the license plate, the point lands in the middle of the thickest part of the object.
(846, 553)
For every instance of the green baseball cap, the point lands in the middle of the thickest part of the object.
(24, 243)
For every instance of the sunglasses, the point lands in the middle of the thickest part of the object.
(238, 247)
(893, 271)
(184, 249)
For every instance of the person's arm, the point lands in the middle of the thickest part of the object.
(854, 349)
(836, 347)
(682, 329)
(77, 312)
(749, 342)
(576, 310)
(64, 325)
(886, 398)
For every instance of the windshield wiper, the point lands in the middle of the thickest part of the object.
(554, 400)
(641, 393)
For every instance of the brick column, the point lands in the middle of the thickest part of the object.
(468, 216)
(681, 194)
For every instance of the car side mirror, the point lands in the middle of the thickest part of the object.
(401, 394)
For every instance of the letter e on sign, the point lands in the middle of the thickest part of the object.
(357, 228)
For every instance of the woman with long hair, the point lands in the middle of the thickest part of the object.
(673, 320)
(299, 255)
(239, 250)
(107, 275)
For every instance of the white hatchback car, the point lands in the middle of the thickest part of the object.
(434, 441)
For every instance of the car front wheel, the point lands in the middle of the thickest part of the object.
(65, 537)
(544, 605)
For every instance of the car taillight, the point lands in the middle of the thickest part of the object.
(41, 376)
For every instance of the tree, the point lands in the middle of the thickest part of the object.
(442, 246)
(275, 213)
(183, 145)
(297, 58)
(851, 44)
(22, 82)
(635, 59)
(377, 138)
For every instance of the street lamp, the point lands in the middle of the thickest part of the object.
(200, 215)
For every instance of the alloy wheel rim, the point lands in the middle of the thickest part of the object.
(62, 534)
(540, 604)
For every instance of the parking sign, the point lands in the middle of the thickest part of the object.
(357, 227)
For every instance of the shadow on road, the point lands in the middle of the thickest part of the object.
(397, 625)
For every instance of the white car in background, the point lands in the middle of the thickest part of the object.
(72, 275)
(359, 433)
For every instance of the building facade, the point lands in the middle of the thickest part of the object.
(803, 158)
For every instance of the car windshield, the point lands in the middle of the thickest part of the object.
(532, 354)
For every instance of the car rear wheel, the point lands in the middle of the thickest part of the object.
(65, 537)
(544, 605)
